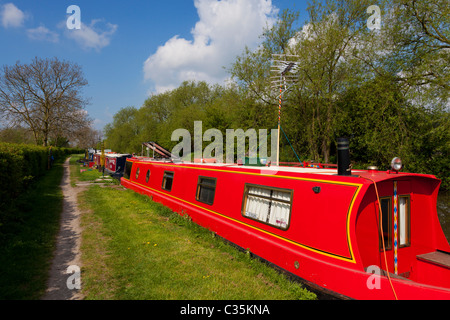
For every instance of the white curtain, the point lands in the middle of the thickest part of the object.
(270, 211)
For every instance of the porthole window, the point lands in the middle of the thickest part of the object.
(137, 173)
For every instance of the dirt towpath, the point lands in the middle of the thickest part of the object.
(67, 251)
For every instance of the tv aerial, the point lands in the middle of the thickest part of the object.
(284, 75)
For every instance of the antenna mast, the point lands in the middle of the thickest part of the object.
(284, 75)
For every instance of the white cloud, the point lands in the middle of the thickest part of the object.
(11, 16)
(41, 33)
(224, 29)
(93, 36)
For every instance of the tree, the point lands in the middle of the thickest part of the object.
(121, 133)
(86, 137)
(377, 118)
(45, 96)
(251, 70)
(426, 44)
(413, 45)
(325, 47)
(16, 135)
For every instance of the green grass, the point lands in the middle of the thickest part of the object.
(134, 249)
(89, 174)
(27, 238)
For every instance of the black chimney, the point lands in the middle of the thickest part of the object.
(343, 157)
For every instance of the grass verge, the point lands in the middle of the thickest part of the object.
(83, 174)
(28, 236)
(135, 249)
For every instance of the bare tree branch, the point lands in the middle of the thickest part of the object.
(45, 95)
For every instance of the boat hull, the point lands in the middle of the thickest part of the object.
(324, 258)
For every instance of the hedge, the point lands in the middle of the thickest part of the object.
(20, 164)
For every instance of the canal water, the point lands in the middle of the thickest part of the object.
(443, 209)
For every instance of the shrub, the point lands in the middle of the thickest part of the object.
(21, 164)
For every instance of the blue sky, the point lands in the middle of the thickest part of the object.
(131, 49)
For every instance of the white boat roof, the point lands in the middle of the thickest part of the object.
(116, 155)
(264, 169)
(273, 169)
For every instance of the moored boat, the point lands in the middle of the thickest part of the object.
(115, 163)
(90, 157)
(97, 158)
(358, 234)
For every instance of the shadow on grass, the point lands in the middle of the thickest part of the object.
(27, 236)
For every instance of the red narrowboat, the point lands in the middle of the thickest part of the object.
(90, 157)
(97, 159)
(115, 163)
(353, 234)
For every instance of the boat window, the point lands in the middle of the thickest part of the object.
(167, 180)
(137, 173)
(147, 176)
(206, 189)
(386, 223)
(268, 205)
(404, 221)
(127, 172)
